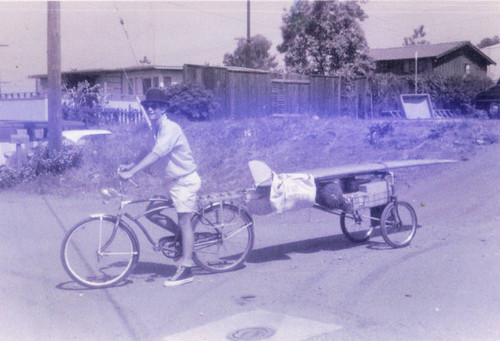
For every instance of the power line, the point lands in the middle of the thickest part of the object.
(220, 15)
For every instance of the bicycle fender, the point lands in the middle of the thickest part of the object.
(211, 206)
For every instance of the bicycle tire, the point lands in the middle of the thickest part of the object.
(357, 230)
(400, 234)
(82, 260)
(224, 237)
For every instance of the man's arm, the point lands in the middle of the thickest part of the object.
(148, 160)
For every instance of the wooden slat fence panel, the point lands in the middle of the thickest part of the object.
(249, 94)
(290, 96)
(325, 95)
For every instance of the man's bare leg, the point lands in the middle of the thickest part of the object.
(184, 274)
(184, 220)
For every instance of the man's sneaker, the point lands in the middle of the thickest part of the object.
(182, 276)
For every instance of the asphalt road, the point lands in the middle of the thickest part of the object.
(303, 281)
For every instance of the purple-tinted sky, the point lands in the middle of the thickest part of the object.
(174, 33)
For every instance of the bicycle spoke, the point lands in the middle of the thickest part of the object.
(93, 264)
(227, 237)
(357, 226)
(399, 224)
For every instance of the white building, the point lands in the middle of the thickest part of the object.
(494, 53)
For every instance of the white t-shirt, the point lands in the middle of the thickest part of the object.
(171, 141)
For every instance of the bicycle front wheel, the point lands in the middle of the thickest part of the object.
(223, 237)
(357, 226)
(98, 253)
(398, 224)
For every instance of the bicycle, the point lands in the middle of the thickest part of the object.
(102, 250)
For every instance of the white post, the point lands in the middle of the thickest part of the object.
(416, 71)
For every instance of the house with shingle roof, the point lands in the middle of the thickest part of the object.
(445, 59)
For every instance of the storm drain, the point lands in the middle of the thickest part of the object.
(253, 334)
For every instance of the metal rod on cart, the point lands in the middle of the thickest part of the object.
(319, 207)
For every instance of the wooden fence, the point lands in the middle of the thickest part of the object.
(245, 93)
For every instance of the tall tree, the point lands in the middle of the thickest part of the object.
(488, 42)
(417, 38)
(252, 54)
(325, 37)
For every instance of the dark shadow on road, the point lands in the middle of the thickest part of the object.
(331, 243)
(73, 286)
(281, 251)
(149, 271)
(150, 268)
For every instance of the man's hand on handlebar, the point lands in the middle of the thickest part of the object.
(125, 175)
(124, 171)
(127, 167)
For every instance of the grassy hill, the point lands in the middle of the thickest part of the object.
(223, 148)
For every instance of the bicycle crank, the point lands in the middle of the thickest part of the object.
(170, 246)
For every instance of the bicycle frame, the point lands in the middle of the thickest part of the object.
(122, 214)
(135, 219)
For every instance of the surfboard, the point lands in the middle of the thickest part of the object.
(368, 168)
(262, 173)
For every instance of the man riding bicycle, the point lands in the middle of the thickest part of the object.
(181, 169)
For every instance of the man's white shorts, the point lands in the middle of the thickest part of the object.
(183, 192)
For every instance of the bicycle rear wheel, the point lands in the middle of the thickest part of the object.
(357, 226)
(398, 224)
(97, 254)
(223, 237)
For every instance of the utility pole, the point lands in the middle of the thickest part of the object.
(248, 22)
(54, 75)
(247, 49)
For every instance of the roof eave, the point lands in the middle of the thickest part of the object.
(467, 43)
(129, 68)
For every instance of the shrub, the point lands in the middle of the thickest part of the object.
(8, 177)
(40, 162)
(192, 101)
(455, 93)
(386, 91)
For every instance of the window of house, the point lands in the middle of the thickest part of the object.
(167, 80)
(146, 85)
(422, 65)
(156, 82)
(411, 65)
(467, 69)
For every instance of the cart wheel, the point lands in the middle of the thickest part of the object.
(357, 226)
(398, 224)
